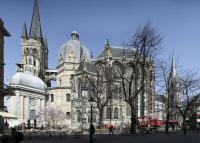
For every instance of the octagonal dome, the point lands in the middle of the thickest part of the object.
(74, 50)
(27, 79)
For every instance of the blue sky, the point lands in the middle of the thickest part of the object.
(178, 21)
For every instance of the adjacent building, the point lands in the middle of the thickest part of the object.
(3, 33)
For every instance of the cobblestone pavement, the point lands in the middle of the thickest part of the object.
(192, 137)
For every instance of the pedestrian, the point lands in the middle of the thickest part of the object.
(17, 136)
(92, 131)
(148, 128)
(172, 127)
(110, 128)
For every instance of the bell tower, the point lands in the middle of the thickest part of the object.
(34, 47)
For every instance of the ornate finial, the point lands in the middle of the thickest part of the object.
(108, 50)
(107, 44)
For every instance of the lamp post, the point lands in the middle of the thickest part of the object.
(110, 111)
(91, 100)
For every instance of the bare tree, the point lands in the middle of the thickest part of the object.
(168, 84)
(101, 87)
(145, 45)
(190, 89)
(52, 116)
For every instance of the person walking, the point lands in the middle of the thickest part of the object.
(110, 128)
(17, 136)
(173, 127)
(92, 131)
(148, 128)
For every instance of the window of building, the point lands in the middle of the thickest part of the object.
(68, 97)
(120, 93)
(30, 61)
(32, 114)
(79, 117)
(68, 115)
(32, 102)
(60, 82)
(116, 92)
(47, 97)
(34, 72)
(27, 50)
(128, 110)
(34, 62)
(116, 113)
(79, 88)
(108, 113)
(52, 98)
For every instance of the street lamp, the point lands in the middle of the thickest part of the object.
(91, 101)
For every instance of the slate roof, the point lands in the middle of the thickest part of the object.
(118, 52)
(24, 32)
(27, 79)
(35, 29)
(86, 66)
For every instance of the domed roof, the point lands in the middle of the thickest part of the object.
(27, 79)
(73, 49)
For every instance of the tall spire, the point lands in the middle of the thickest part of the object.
(35, 29)
(173, 69)
(24, 31)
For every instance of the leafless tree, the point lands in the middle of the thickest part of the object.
(101, 87)
(190, 89)
(52, 116)
(168, 85)
(145, 45)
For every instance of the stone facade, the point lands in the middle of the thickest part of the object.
(68, 94)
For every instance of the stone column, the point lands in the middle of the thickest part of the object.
(26, 109)
(21, 107)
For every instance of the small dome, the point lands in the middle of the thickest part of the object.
(73, 49)
(27, 79)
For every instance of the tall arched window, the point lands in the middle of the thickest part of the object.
(34, 62)
(27, 50)
(30, 61)
(60, 82)
(52, 98)
(108, 113)
(79, 88)
(79, 116)
(128, 110)
(116, 113)
(116, 92)
(68, 97)
(68, 115)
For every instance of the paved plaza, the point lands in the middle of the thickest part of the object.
(192, 137)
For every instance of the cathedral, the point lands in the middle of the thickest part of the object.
(35, 96)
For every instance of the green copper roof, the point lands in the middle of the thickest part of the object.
(35, 29)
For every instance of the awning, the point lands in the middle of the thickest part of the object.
(7, 115)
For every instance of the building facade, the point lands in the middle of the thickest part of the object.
(3, 33)
(34, 91)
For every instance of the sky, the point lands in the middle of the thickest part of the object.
(178, 21)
